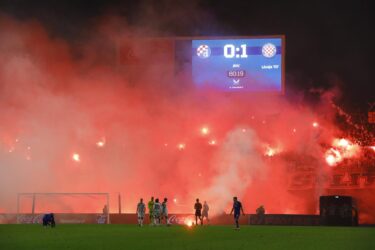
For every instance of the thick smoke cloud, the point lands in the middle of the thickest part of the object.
(143, 137)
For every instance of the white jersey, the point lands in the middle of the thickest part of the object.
(205, 207)
(157, 209)
(164, 209)
(205, 210)
(141, 209)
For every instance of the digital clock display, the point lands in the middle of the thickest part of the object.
(253, 64)
(236, 73)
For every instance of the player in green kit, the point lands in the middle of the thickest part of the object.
(151, 210)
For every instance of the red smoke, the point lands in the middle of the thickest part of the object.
(72, 121)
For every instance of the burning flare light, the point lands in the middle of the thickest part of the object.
(212, 142)
(205, 131)
(181, 146)
(76, 157)
(189, 223)
(341, 149)
(101, 143)
(271, 151)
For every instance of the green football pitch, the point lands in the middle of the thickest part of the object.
(178, 237)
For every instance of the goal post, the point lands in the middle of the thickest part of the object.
(46, 202)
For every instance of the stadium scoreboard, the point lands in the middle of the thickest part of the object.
(239, 65)
(224, 64)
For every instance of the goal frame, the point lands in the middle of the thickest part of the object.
(34, 195)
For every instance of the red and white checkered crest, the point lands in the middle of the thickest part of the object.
(203, 51)
(269, 50)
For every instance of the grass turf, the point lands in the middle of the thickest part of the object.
(95, 237)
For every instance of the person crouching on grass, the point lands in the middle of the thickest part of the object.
(49, 220)
(237, 209)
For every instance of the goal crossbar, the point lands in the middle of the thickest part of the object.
(33, 195)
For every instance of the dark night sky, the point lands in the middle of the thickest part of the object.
(328, 42)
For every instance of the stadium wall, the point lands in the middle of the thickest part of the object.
(174, 219)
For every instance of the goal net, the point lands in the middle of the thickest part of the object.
(67, 207)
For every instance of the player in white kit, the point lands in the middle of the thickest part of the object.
(164, 211)
(205, 211)
(157, 212)
(141, 210)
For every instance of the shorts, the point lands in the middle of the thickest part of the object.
(205, 214)
(236, 216)
(156, 214)
(198, 213)
(50, 222)
(141, 215)
(45, 222)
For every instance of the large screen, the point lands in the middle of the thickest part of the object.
(249, 65)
